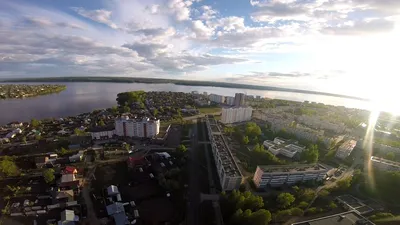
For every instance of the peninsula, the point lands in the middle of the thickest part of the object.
(27, 90)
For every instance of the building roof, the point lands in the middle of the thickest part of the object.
(74, 183)
(115, 208)
(41, 159)
(109, 127)
(112, 190)
(347, 218)
(295, 168)
(120, 218)
(70, 170)
(65, 194)
(68, 215)
(67, 178)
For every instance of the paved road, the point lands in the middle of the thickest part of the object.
(193, 204)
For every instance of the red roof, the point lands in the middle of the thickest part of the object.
(70, 170)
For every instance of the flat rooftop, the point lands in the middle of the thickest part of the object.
(347, 218)
(224, 152)
(385, 161)
(348, 145)
(300, 168)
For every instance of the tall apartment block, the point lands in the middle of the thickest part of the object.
(145, 127)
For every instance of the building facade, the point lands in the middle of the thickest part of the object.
(144, 128)
(236, 114)
(240, 99)
(345, 149)
(276, 176)
(217, 98)
(228, 172)
(384, 164)
(230, 100)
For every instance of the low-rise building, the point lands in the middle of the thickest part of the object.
(384, 164)
(228, 171)
(236, 114)
(143, 128)
(276, 176)
(101, 133)
(117, 211)
(68, 217)
(288, 148)
(345, 149)
(346, 218)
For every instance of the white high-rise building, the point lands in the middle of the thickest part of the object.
(230, 100)
(145, 127)
(217, 98)
(236, 114)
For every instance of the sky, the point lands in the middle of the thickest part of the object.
(338, 46)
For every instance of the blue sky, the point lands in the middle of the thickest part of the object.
(340, 46)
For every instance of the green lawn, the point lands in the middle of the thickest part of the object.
(210, 110)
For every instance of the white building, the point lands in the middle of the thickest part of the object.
(240, 99)
(125, 127)
(100, 133)
(230, 100)
(217, 98)
(345, 149)
(280, 146)
(236, 114)
(384, 164)
(275, 176)
(228, 171)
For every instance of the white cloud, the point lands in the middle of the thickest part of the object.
(98, 15)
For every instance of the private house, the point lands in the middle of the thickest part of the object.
(63, 196)
(113, 193)
(117, 211)
(68, 181)
(41, 161)
(70, 170)
(68, 217)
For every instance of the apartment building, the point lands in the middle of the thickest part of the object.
(230, 100)
(145, 127)
(384, 164)
(228, 171)
(345, 149)
(276, 176)
(288, 148)
(100, 133)
(236, 114)
(240, 99)
(217, 98)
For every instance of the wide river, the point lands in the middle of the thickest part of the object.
(85, 97)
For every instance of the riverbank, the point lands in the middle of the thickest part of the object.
(176, 82)
(10, 91)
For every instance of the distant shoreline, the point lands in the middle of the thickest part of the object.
(173, 81)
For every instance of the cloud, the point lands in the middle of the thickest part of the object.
(275, 10)
(37, 22)
(180, 9)
(98, 15)
(147, 50)
(364, 27)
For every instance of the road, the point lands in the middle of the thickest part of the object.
(193, 204)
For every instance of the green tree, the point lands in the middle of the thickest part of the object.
(38, 137)
(114, 109)
(296, 211)
(49, 175)
(260, 217)
(303, 205)
(343, 184)
(380, 215)
(324, 193)
(229, 130)
(181, 148)
(285, 200)
(257, 148)
(245, 140)
(24, 139)
(127, 147)
(311, 154)
(126, 109)
(281, 215)
(252, 129)
(155, 112)
(312, 210)
(63, 151)
(332, 205)
(8, 167)
(101, 123)
(35, 123)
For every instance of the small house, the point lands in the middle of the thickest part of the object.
(41, 161)
(68, 217)
(70, 170)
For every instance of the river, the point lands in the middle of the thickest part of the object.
(85, 97)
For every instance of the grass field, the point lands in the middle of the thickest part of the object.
(206, 110)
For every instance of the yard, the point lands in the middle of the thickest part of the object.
(207, 110)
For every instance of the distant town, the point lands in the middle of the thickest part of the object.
(25, 90)
(201, 158)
